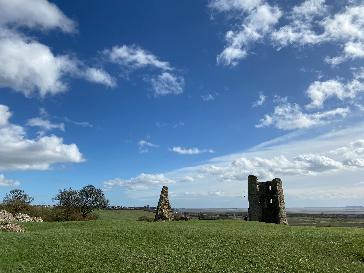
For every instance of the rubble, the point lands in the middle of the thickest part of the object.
(22, 217)
(6, 216)
(8, 222)
(12, 227)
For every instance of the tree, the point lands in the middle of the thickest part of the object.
(91, 198)
(68, 198)
(69, 202)
(81, 202)
(17, 201)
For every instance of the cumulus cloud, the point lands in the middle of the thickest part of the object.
(21, 153)
(141, 182)
(29, 66)
(190, 151)
(144, 146)
(167, 84)
(8, 182)
(289, 116)
(34, 14)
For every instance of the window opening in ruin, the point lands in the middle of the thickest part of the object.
(271, 201)
(270, 188)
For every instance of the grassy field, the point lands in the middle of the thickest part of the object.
(118, 243)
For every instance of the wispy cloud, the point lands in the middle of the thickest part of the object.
(209, 97)
(260, 101)
(145, 146)
(190, 151)
(141, 182)
(133, 57)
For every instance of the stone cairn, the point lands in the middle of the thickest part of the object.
(8, 222)
(164, 211)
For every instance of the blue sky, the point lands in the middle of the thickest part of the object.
(132, 95)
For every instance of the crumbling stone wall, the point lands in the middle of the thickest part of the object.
(164, 211)
(266, 201)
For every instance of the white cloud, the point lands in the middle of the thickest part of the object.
(190, 151)
(144, 146)
(288, 116)
(308, 23)
(259, 19)
(344, 28)
(234, 5)
(30, 67)
(306, 165)
(319, 91)
(34, 14)
(135, 57)
(44, 124)
(260, 101)
(8, 182)
(141, 182)
(309, 8)
(21, 153)
(167, 84)
(98, 75)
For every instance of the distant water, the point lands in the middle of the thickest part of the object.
(308, 210)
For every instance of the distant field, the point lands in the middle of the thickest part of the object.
(118, 243)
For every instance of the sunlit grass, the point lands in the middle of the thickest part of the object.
(119, 243)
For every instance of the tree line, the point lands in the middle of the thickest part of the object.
(70, 204)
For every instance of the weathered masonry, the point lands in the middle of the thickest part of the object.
(266, 201)
(164, 211)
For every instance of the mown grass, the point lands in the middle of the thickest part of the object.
(119, 243)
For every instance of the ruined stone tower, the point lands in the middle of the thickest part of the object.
(164, 211)
(266, 201)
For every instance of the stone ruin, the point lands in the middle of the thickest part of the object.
(164, 211)
(266, 201)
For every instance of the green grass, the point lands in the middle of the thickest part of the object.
(118, 243)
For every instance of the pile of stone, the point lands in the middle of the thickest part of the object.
(6, 216)
(12, 227)
(8, 221)
(24, 218)
(164, 211)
